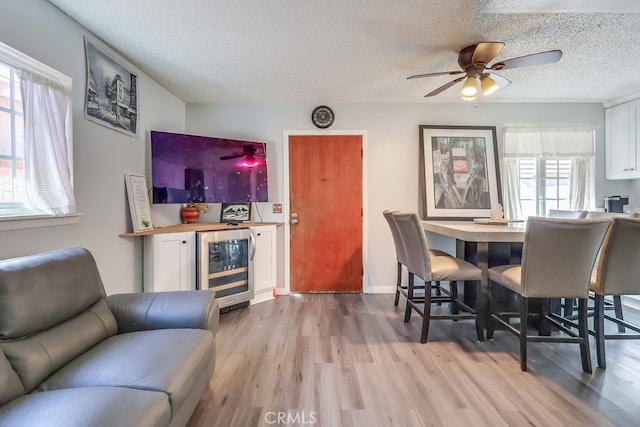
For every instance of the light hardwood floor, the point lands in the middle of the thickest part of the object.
(349, 360)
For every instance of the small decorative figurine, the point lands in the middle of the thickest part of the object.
(496, 212)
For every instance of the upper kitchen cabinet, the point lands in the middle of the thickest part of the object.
(622, 141)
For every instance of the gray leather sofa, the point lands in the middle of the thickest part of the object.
(72, 356)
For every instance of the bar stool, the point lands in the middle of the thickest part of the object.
(432, 266)
(559, 213)
(617, 273)
(557, 260)
(401, 258)
(616, 305)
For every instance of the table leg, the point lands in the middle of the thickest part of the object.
(474, 296)
(482, 297)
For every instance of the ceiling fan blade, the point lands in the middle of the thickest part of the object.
(232, 156)
(445, 87)
(502, 82)
(442, 73)
(485, 52)
(529, 60)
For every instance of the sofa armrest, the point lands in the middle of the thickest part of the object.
(165, 310)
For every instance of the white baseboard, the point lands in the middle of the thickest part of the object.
(262, 297)
(383, 289)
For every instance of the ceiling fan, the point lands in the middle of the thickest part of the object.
(248, 154)
(474, 63)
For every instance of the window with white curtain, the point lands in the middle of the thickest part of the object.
(36, 168)
(548, 168)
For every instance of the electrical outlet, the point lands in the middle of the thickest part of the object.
(277, 208)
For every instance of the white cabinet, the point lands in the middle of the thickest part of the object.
(170, 262)
(622, 141)
(264, 263)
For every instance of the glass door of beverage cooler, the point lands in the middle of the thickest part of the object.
(225, 265)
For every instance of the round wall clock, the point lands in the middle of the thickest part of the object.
(322, 116)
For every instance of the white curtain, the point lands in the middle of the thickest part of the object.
(47, 118)
(512, 208)
(581, 193)
(576, 143)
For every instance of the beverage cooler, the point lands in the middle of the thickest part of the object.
(225, 265)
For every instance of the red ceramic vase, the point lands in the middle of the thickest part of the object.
(189, 214)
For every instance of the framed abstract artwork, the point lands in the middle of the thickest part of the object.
(459, 171)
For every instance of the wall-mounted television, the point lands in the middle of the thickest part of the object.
(204, 169)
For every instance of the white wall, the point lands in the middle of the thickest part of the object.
(101, 156)
(391, 152)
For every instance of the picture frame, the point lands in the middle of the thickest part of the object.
(139, 206)
(459, 172)
(111, 97)
(235, 212)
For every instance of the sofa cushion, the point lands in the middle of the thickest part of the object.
(10, 385)
(168, 360)
(37, 356)
(39, 291)
(88, 406)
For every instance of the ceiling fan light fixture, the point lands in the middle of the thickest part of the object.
(470, 87)
(250, 161)
(488, 85)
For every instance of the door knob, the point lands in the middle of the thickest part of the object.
(294, 218)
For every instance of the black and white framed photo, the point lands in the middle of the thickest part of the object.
(112, 90)
(459, 171)
(235, 212)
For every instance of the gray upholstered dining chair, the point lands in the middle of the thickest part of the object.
(559, 213)
(432, 266)
(557, 259)
(617, 273)
(401, 258)
(616, 304)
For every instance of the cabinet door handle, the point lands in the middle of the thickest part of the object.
(632, 169)
(184, 241)
(625, 169)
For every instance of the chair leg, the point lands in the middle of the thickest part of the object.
(598, 326)
(453, 286)
(584, 335)
(438, 291)
(617, 306)
(568, 307)
(427, 315)
(545, 327)
(491, 324)
(480, 305)
(524, 308)
(407, 311)
(398, 284)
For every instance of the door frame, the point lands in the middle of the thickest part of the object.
(286, 208)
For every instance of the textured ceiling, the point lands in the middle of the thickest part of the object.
(214, 51)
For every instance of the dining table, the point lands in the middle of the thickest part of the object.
(484, 245)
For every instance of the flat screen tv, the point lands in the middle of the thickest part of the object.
(204, 169)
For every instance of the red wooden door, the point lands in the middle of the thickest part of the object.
(325, 187)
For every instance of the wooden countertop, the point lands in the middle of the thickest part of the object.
(198, 226)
